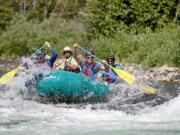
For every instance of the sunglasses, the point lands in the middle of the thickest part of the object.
(66, 52)
(110, 60)
(89, 57)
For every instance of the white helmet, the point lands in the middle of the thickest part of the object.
(67, 48)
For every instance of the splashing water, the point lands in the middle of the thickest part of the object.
(124, 111)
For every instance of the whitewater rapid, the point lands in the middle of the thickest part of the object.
(19, 116)
(125, 111)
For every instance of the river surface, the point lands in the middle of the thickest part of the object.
(123, 111)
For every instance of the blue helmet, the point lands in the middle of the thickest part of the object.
(89, 53)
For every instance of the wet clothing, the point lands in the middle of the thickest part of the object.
(72, 61)
(51, 61)
(45, 60)
(44, 66)
(109, 75)
(89, 70)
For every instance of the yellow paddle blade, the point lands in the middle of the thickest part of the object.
(129, 78)
(147, 89)
(5, 78)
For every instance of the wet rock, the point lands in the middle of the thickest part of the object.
(164, 74)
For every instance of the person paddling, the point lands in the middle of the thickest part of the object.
(108, 75)
(43, 58)
(89, 68)
(67, 62)
(43, 62)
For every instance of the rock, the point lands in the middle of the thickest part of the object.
(164, 74)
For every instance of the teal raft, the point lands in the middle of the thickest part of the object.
(70, 84)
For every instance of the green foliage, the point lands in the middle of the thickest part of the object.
(107, 17)
(5, 17)
(149, 50)
(69, 8)
(40, 9)
(137, 31)
(23, 36)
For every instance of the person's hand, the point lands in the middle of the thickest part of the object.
(57, 63)
(65, 62)
(47, 44)
(75, 45)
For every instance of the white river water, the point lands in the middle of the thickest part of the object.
(124, 112)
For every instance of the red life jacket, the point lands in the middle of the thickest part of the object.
(89, 70)
(107, 77)
(86, 71)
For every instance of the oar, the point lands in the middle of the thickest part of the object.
(6, 78)
(144, 88)
(38, 50)
(129, 78)
(124, 75)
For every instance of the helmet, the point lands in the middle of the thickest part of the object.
(40, 56)
(67, 48)
(110, 57)
(89, 53)
(39, 53)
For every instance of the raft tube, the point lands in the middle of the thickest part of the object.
(70, 84)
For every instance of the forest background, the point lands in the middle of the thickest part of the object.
(145, 32)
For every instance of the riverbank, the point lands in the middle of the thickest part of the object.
(164, 74)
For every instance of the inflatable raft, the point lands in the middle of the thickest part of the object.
(70, 84)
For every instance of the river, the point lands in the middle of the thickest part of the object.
(124, 111)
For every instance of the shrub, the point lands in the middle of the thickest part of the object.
(149, 50)
(23, 36)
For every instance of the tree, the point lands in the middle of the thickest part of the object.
(5, 17)
(106, 17)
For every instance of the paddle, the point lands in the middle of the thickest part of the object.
(38, 50)
(5, 78)
(124, 75)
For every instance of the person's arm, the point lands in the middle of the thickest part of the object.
(72, 66)
(54, 54)
(100, 75)
(77, 57)
(57, 63)
(101, 66)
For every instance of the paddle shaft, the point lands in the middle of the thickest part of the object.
(93, 56)
(38, 50)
